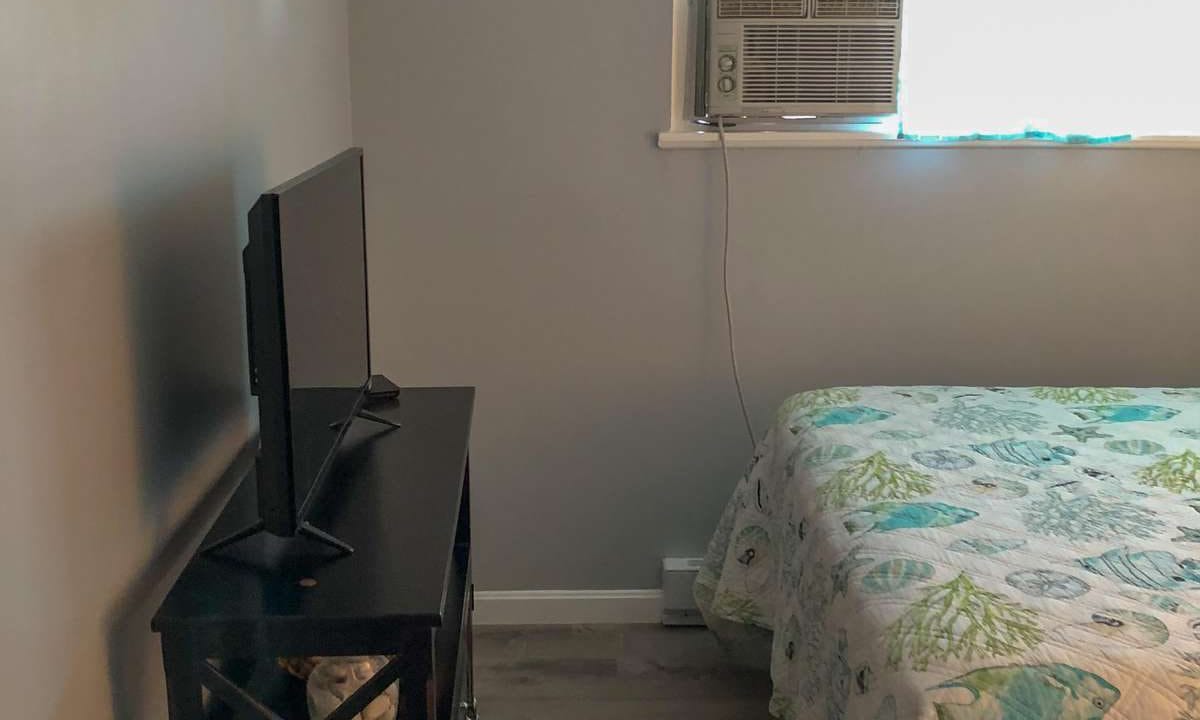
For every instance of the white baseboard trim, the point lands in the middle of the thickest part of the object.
(567, 607)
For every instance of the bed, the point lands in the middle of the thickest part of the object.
(960, 553)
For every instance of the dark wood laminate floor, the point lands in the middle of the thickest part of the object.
(612, 672)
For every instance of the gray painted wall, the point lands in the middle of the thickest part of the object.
(135, 135)
(527, 237)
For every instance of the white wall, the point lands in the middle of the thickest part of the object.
(527, 237)
(135, 134)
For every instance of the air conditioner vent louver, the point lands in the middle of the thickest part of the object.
(816, 63)
(887, 9)
(763, 8)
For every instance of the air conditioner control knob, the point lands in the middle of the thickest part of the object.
(726, 85)
(727, 63)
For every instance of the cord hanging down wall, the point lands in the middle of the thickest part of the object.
(733, 359)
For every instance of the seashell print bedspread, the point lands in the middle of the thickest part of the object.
(959, 553)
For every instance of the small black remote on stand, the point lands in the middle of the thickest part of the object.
(380, 388)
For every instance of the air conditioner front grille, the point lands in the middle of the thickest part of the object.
(762, 8)
(884, 9)
(794, 64)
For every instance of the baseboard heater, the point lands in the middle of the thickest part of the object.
(679, 604)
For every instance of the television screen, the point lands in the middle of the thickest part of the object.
(325, 311)
(307, 293)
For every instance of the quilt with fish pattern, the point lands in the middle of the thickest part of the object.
(958, 553)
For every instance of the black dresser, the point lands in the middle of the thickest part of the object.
(401, 498)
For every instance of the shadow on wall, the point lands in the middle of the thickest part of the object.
(134, 362)
(181, 253)
(141, 316)
(184, 277)
(134, 654)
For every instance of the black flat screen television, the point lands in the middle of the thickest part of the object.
(306, 305)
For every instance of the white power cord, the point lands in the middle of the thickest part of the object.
(733, 361)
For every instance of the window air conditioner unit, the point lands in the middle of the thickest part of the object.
(797, 58)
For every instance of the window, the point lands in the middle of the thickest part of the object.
(1098, 70)
(1068, 70)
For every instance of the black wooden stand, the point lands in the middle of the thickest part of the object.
(402, 499)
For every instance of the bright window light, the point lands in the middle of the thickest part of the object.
(1069, 69)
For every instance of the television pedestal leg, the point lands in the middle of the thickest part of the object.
(318, 535)
(369, 416)
(306, 529)
(228, 540)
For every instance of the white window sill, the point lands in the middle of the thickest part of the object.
(702, 140)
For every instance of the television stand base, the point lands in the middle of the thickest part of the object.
(306, 529)
(366, 415)
(316, 534)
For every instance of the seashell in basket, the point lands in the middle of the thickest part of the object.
(336, 678)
